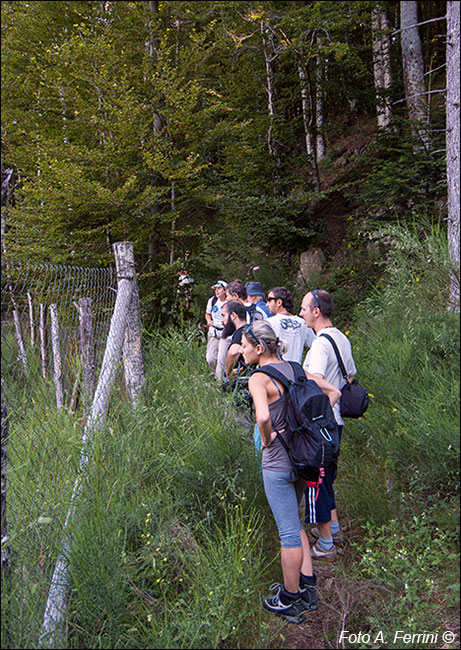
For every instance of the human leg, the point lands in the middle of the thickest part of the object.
(223, 346)
(281, 493)
(212, 351)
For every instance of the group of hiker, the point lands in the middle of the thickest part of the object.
(256, 343)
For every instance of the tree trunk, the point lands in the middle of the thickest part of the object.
(413, 73)
(7, 175)
(158, 121)
(270, 90)
(173, 223)
(381, 63)
(319, 139)
(306, 102)
(453, 144)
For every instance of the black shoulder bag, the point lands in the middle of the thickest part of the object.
(354, 399)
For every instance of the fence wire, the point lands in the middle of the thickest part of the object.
(41, 334)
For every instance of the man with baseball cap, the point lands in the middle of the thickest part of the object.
(213, 317)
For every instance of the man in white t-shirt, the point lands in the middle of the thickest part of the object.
(289, 328)
(213, 317)
(317, 310)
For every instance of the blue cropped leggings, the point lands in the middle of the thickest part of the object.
(284, 493)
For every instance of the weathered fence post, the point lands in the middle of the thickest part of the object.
(57, 597)
(85, 314)
(43, 341)
(19, 338)
(31, 318)
(57, 363)
(133, 364)
(6, 550)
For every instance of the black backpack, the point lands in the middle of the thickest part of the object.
(311, 438)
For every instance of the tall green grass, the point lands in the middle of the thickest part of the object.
(167, 545)
(399, 469)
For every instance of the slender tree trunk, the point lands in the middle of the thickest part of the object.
(307, 109)
(381, 63)
(306, 99)
(413, 73)
(158, 121)
(453, 144)
(173, 223)
(319, 139)
(270, 90)
(7, 175)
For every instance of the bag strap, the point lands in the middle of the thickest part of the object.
(298, 371)
(275, 374)
(338, 356)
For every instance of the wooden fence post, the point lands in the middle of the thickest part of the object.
(19, 338)
(85, 314)
(6, 549)
(31, 318)
(133, 364)
(57, 363)
(43, 341)
(57, 597)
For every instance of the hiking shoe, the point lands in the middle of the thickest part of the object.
(317, 553)
(309, 598)
(293, 613)
(337, 539)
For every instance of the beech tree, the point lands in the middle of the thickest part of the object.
(381, 63)
(413, 72)
(453, 144)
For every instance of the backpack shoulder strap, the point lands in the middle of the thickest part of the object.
(338, 356)
(214, 300)
(298, 370)
(274, 374)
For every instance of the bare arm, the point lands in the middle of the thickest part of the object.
(333, 393)
(258, 392)
(233, 354)
(208, 319)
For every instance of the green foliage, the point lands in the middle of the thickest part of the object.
(406, 347)
(399, 180)
(409, 558)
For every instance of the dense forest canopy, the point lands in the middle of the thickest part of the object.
(220, 132)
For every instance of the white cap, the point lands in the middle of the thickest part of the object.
(219, 283)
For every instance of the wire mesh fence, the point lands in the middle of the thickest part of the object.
(55, 322)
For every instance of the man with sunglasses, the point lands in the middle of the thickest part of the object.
(316, 310)
(288, 327)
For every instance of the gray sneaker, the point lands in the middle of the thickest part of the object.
(317, 553)
(337, 539)
(293, 613)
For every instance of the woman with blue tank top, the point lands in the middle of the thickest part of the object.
(283, 489)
